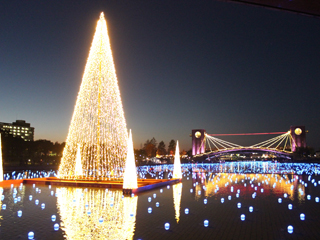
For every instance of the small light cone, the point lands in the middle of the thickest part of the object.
(130, 173)
(177, 165)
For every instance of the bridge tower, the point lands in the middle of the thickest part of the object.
(298, 134)
(198, 141)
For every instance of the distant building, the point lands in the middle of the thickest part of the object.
(19, 128)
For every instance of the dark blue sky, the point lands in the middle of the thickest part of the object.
(221, 66)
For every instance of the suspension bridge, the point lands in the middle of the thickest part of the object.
(282, 145)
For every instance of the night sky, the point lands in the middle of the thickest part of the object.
(220, 66)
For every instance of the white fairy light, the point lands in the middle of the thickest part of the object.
(98, 124)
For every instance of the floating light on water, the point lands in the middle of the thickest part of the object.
(199, 192)
(2, 197)
(262, 190)
(168, 187)
(53, 218)
(43, 205)
(4, 206)
(239, 205)
(154, 195)
(243, 217)
(206, 223)
(231, 189)
(149, 199)
(149, 210)
(302, 217)
(19, 213)
(161, 190)
(205, 201)
(37, 202)
(167, 226)
(15, 200)
(317, 199)
(222, 200)
(285, 195)
(290, 206)
(186, 211)
(308, 197)
(56, 226)
(30, 235)
(229, 197)
(101, 220)
(89, 212)
(157, 204)
(191, 190)
(237, 195)
(250, 209)
(279, 200)
(290, 229)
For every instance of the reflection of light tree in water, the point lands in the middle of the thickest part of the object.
(119, 214)
(177, 193)
(267, 181)
(98, 125)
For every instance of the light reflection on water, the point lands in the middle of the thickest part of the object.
(110, 214)
(256, 184)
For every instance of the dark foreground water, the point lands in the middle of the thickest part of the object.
(269, 196)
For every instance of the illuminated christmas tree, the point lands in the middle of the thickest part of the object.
(98, 125)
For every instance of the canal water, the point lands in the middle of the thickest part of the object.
(239, 200)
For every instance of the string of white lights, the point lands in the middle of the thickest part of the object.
(216, 144)
(98, 124)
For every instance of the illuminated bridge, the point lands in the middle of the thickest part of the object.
(283, 145)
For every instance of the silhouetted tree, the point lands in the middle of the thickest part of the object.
(172, 147)
(150, 147)
(161, 149)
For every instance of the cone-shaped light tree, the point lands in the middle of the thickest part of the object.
(130, 174)
(98, 124)
(177, 164)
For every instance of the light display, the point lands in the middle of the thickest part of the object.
(282, 143)
(96, 214)
(177, 164)
(177, 193)
(78, 169)
(98, 124)
(1, 164)
(130, 174)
